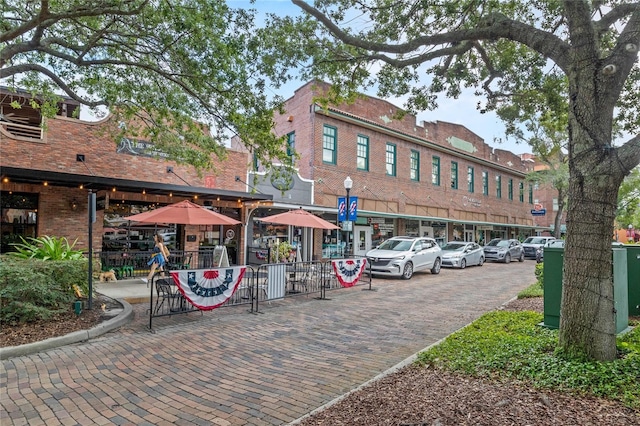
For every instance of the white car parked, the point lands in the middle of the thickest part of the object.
(402, 256)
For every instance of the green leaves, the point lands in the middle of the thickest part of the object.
(46, 248)
(33, 289)
(159, 67)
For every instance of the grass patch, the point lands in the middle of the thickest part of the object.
(534, 290)
(512, 345)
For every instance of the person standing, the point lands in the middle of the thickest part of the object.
(159, 257)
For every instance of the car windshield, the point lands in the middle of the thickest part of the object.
(453, 246)
(535, 240)
(499, 243)
(396, 245)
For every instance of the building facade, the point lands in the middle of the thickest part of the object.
(431, 178)
(49, 168)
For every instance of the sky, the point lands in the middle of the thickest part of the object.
(459, 111)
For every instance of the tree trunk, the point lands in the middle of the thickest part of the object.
(557, 232)
(587, 314)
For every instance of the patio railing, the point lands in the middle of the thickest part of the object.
(260, 284)
(133, 264)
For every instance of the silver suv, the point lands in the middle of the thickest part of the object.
(504, 250)
(402, 256)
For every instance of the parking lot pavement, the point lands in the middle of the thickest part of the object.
(231, 367)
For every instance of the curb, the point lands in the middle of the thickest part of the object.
(77, 336)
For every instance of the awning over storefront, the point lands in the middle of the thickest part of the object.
(97, 183)
(440, 219)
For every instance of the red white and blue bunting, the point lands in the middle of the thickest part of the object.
(348, 271)
(206, 289)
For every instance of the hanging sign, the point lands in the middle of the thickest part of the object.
(353, 208)
(351, 213)
(538, 210)
(342, 209)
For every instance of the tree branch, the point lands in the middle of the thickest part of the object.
(18, 69)
(493, 27)
(45, 18)
(629, 154)
(614, 15)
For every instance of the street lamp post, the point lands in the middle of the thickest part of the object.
(348, 183)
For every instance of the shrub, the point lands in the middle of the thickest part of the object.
(539, 272)
(47, 248)
(33, 289)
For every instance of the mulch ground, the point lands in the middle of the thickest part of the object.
(15, 334)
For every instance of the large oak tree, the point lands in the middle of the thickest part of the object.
(184, 74)
(586, 52)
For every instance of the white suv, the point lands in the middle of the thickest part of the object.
(402, 256)
(533, 245)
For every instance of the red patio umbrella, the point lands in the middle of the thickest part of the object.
(300, 218)
(184, 213)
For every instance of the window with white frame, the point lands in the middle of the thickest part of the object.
(485, 182)
(329, 144)
(435, 170)
(454, 175)
(391, 159)
(415, 165)
(362, 154)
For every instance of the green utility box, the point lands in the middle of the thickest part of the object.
(553, 263)
(633, 271)
(552, 269)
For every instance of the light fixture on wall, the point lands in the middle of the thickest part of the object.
(74, 205)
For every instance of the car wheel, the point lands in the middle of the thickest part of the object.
(507, 258)
(481, 262)
(463, 264)
(408, 271)
(436, 267)
(521, 257)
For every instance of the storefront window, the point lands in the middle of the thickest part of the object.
(412, 228)
(331, 245)
(458, 232)
(19, 218)
(440, 232)
(381, 229)
(120, 234)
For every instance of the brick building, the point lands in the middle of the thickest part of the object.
(430, 178)
(47, 173)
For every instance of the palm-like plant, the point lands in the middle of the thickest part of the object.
(47, 248)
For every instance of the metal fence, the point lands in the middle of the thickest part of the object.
(133, 264)
(261, 284)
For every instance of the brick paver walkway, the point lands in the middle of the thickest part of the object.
(230, 367)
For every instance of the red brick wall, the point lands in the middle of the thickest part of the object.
(66, 137)
(374, 187)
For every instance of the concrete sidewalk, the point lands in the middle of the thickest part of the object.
(132, 291)
(231, 367)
